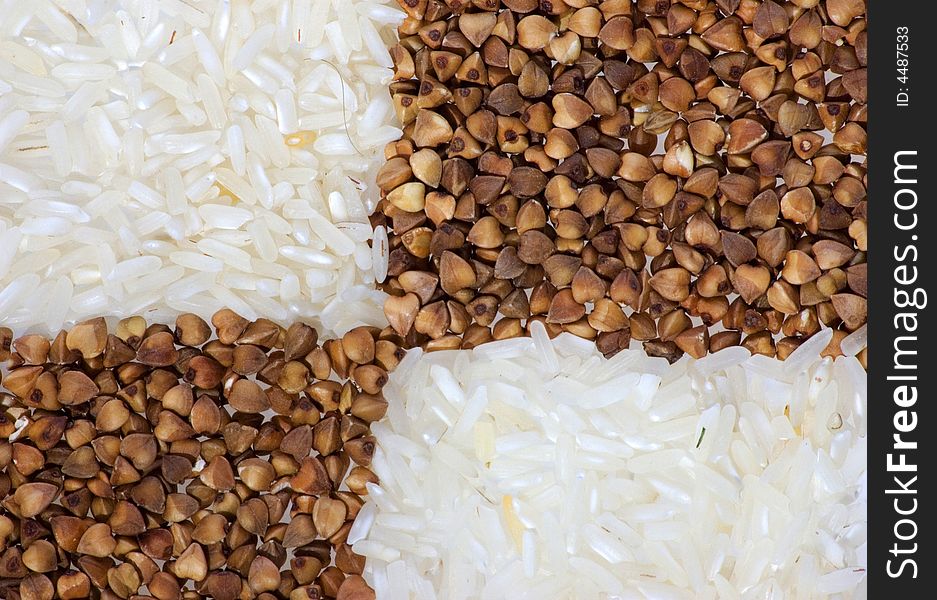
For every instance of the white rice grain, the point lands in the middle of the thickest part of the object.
(535, 468)
(188, 140)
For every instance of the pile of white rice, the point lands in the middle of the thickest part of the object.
(531, 469)
(184, 155)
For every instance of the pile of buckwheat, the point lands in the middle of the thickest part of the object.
(690, 174)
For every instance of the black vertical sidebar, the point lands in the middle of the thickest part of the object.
(902, 264)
